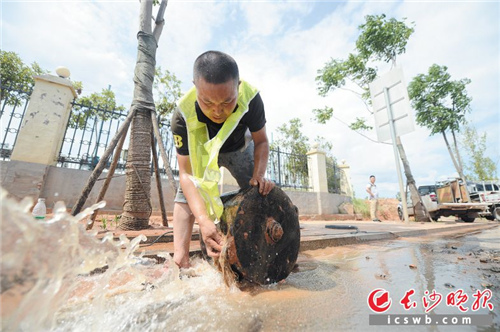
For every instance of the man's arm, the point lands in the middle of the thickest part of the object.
(196, 203)
(261, 155)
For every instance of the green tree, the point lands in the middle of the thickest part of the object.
(167, 89)
(293, 141)
(441, 105)
(291, 138)
(102, 105)
(383, 39)
(479, 166)
(380, 39)
(15, 74)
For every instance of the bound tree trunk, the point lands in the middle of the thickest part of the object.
(137, 206)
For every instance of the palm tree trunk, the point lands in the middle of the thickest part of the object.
(137, 206)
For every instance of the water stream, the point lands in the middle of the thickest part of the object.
(50, 283)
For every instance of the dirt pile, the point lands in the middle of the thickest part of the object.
(388, 209)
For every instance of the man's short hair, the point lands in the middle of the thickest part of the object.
(372, 176)
(215, 67)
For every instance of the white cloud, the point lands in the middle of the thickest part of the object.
(188, 32)
(266, 19)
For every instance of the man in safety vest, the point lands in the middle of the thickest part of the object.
(219, 122)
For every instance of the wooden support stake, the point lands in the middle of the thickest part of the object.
(158, 183)
(163, 153)
(102, 163)
(102, 193)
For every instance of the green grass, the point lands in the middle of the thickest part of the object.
(360, 207)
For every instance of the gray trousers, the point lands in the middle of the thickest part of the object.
(239, 163)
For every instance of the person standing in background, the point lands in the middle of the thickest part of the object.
(371, 189)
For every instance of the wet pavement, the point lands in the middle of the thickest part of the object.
(329, 290)
(316, 235)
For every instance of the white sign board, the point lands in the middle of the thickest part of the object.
(399, 101)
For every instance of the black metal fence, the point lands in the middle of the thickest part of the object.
(333, 176)
(89, 131)
(14, 101)
(288, 170)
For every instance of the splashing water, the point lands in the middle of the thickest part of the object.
(56, 276)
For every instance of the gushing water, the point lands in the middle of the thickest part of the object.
(56, 276)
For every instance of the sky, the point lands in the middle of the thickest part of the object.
(279, 47)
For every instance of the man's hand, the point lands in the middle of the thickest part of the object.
(265, 185)
(211, 237)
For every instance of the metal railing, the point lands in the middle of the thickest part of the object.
(288, 170)
(333, 176)
(89, 131)
(14, 101)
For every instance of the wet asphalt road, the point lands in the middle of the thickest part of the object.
(328, 292)
(430, 266)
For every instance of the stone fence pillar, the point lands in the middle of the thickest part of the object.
(316, 164)
(345, 179)
(44, 124)
(40, 137)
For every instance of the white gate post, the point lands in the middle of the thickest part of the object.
(44, 124)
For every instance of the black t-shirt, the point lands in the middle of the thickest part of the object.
(254, 120)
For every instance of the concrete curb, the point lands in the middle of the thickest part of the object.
(347, 239)
(324, 240)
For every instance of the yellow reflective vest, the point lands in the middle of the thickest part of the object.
(204, 152)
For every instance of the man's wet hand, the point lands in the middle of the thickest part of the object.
(265, 185)
(211, 237)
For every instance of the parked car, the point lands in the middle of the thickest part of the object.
(427, 190)
(486, 192)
